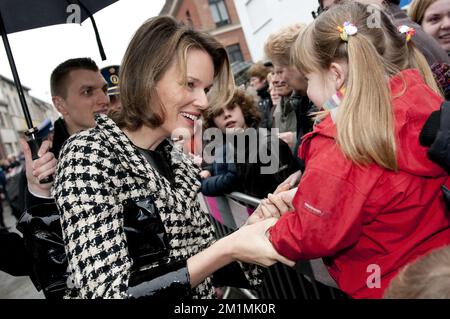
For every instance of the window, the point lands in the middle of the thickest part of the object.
(188, 18)
(9, 148)
(219, 12)
(3, 122)
(11, 108)
(235, 53)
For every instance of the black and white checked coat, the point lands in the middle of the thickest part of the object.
(97, 171)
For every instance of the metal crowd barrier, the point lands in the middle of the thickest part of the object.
(307, 280)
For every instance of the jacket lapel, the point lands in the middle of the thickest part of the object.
(127, 154)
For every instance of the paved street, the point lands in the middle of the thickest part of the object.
(16, 287)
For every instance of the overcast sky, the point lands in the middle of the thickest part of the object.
(37, 52)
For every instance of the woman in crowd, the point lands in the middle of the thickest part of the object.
(132, 225)
(434, 17)
(369, 200)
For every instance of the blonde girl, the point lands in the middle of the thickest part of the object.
(369, 200)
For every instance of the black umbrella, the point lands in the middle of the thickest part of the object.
(20, 15)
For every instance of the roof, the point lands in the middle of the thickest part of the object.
(170, 7)
(40, 102)
(9, 81)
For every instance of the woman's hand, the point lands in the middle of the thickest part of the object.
(252, 245)
(39, 169)
(282, 201)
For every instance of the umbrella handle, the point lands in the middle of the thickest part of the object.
(35, 143)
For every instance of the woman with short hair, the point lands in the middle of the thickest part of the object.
(132, 225)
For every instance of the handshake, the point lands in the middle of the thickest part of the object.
(251, 241)
(278, 203)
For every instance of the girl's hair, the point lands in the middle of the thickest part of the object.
(426, 278)
(158, 43)
(417, 9)
(242, 99)
(365, 122)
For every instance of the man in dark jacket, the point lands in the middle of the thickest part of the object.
(78, 92)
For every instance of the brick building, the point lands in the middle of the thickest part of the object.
(217, 17)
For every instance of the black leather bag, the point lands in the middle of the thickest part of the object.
(42, 236)
(153, 273)
(146, 236)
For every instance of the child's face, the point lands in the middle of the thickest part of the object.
(323, 84)
(231, 118)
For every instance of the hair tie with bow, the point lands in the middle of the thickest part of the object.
(347, 30)
(409, 31)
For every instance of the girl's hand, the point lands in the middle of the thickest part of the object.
(264, 211)
(282, 201)
(274, 206)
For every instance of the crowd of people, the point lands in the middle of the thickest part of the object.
(345, 143)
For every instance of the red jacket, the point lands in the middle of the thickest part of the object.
(367, 219)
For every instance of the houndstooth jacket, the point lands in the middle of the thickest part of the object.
(98, 170)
